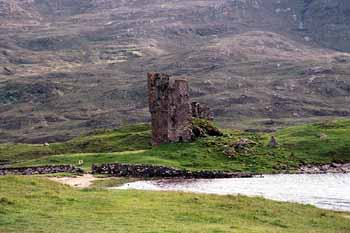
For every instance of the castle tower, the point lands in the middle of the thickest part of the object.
(170, 108)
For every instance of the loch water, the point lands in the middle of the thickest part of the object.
(328, 191)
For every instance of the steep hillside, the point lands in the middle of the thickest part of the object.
(69, 67)
(327, 22)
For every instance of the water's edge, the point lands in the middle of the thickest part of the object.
(147, 171)
(328, 191)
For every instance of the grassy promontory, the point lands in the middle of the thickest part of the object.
(317, 143)
(32, 205)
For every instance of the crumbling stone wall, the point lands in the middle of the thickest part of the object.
(169, 104)
(129, 170)
(171, 109)
(201, 111)
(39, 170)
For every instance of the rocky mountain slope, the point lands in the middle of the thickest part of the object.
(73, 66)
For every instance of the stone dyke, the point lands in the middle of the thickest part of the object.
(150, 171)
(39, 170)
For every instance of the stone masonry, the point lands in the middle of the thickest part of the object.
(39, 170)
(170, 107)
(135, 170)
(201, 111)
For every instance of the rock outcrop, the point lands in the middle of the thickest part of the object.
(204, 128)
(273, 142)
(325, 168)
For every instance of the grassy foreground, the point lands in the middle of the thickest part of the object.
(317, 143)
(33, 205)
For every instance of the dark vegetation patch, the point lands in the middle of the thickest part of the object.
(51, 43)
(13, 93)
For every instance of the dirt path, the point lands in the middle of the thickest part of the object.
(78, 182)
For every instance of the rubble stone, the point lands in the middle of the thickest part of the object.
(201, 111)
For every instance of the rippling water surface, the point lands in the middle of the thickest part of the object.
(328, 191)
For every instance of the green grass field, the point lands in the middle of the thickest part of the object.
(34, 205)
(129, 138)
(317, 143)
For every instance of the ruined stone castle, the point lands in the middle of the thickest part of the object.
(171, 109)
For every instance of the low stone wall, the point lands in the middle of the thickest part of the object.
(39, 170)
(127, 170)
(327, 168)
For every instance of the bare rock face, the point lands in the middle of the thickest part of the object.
(169, 104)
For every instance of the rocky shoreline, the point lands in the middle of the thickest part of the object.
(324, 169)
(151, 171)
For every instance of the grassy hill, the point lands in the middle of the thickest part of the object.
(129, 138)
(31, 205)
(317, 143)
